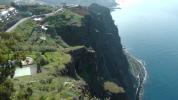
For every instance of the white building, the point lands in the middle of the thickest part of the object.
(5, 14)
(38, 19)
(11, 9)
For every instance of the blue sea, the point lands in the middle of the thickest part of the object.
(149, 30)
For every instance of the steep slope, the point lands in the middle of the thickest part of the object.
(105, 41)
(108, 62)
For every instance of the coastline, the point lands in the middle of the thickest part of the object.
(144, 68)
(140, 75)
(141, 88)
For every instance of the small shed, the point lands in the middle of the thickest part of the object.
(27, 61)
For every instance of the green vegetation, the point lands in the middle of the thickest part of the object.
(57, 57)
(28, 10)
(50, 57)
(25, 28)
(47, 87)
(1, 27)
(32, 34)
(65, 18)
(6, 89)
(66, 24)
(73, 48)
(7, 49)
(113, 87)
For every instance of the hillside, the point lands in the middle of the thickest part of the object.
(107, 3)
(78, 57)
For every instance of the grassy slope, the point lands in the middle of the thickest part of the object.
(46, 86)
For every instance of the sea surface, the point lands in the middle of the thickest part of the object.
(149, 30)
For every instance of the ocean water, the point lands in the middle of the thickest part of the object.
(149, 30)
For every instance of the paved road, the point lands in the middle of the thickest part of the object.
(24, 19)
(53, 13)
(15, 25)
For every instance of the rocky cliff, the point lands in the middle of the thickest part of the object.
(102, 62)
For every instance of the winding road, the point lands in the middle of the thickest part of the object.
(18, 23)
(24, 19)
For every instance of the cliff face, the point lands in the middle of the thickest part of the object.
(104, 61)
(103, 36)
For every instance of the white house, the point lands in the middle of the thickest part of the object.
(37, 19)
(11, 9)
(4, 14)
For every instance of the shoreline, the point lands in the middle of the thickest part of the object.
(144, 68)
(142, 63)
(141, 76)
(141, 87)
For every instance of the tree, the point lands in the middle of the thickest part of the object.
(6, 90)
(6, 86)
(18, 56)
(7, 67)
(24, 93)
(41, 61)
(38, 67)
(1, 26)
